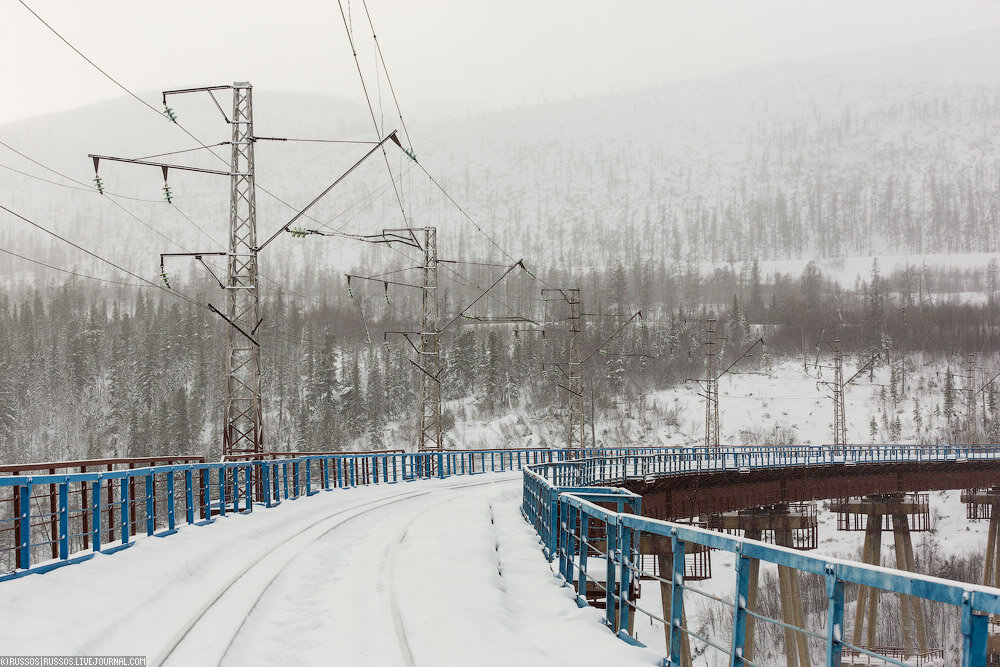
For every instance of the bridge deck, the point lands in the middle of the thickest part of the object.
(435, 572)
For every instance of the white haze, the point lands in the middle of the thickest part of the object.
(448, 58)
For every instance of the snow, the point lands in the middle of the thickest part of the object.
(436, 572)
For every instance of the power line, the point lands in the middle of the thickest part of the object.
(84, 186)
(71, 273)
(111, 195)
(98, 257)
(371, 110)
(378, 47)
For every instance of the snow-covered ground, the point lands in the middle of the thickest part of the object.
(436, 572)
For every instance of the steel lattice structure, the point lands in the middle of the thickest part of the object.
(242, 420)
(839, 410)
(711, 386)
(430, 349)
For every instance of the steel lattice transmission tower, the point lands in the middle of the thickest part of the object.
(970, 396)
(573, 371)
(839, 410)
(430, 348)
(711, 386)
(242, 421)
(576, 424)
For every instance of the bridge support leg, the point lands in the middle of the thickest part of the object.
(752, 534)
(796, 647)
(665, 564)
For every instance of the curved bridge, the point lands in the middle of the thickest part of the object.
(582, 503)
(579, 509)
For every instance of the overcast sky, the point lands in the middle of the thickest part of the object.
(446, 57)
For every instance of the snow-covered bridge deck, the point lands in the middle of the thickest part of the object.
(436, 572)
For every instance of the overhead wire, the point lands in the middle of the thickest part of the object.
(118, 83)
(110, 196)
(68, 272)
(99, 257)
(371, 110)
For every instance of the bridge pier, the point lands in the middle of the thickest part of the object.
(792, 525)
(875, 514)
(983, 504)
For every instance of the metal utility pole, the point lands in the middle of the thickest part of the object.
(243, 413)
(576, 424)
(839, 410)
(242, 429)
(711, 386)
(430, 349)
(970, 396)
(575, 421)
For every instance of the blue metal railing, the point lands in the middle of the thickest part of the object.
(105, 511)
(559, 501)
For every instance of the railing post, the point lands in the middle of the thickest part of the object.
(150, 521)
(581, 586)
(974, 630)
(247, 490)
(625, 576)
(326, 474)
(236, 488)
(222, 490)
(64, 520)
(189, 494)
(171, 521)
(266, 478)
(610, 601)
(676, 598)
(295, 479)
(96, 523)
(835, 618)
(123, 512)
(206, 495)
(738, 649)
(309, 490)
(24, 534)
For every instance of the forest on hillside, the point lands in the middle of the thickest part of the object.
(90, 371)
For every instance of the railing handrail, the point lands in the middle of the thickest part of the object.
(554, 502)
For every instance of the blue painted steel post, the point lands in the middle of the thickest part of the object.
(309, 490)
(676, 598)
(974, 629)
(553, 533)
(266, 478)
(189, 495)
(440, 461)
(611, 611)
(625, 577)
(171, 521)
(222, 490)
(284, 479)
(123, 511)
(834, 618)
(236, 488)
(150, 521)
(295, 479)
(247, 487)
(326, 474)
(63, 520)
(95, 489)
(206, 496)
(340, 477)
(562, 539)
(740, 610)
(24, 539)
(581, 584)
